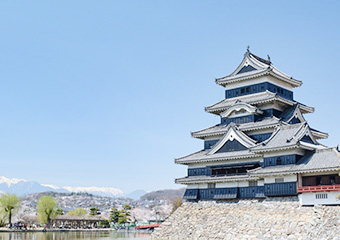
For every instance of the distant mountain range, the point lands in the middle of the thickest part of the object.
(23, 187)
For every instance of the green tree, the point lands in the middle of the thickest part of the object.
(47, 209)
(124, 215)
(2, 221)
(80, 212)
(94, 211)
(114, 215)
(120, 216)
(60, 211)
(9, 203)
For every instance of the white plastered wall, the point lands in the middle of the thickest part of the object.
(327, 198)
(226, 185)
(197, 186)
(286, 178)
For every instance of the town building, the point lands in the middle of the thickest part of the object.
(263, 147)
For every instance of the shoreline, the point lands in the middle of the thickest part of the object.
(74, 230)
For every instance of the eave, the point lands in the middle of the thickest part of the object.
(219, 133)
(206, 179)
(319, 135)
(259, 128)
(282, 148)
(200, 135)
(255, 74)
(275, 97)
(215, 159)
(289, 172)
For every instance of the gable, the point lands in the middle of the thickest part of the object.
(294, 120)
(240, 108)
(307, 139)
(306, 136)
(293, 115)
(231, 146)
(233, 140)
(246, 69)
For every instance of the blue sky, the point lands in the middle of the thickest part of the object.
(105, 93)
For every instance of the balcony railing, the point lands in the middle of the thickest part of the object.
(321, 188)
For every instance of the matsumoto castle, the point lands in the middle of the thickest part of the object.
(263, 147)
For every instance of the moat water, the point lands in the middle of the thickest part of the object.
(71, 236)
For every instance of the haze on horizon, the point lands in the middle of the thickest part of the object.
(106, 93)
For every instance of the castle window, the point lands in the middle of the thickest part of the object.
(253, 184)
(279, 180)
(211, 185)
(278, 161)
(242, 90)
(321, 196)
(247, 89)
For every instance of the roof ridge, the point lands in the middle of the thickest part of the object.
(327, 149)
(277, 129)
(268, 62)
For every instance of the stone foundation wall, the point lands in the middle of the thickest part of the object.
(279, 218)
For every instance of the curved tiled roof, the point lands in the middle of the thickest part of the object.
(211, 179)
(254, 99)
(285, 137)
(258, 67)
(203, 156)
(221, 129)
(327, 159)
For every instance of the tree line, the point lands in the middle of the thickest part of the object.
(48, 209)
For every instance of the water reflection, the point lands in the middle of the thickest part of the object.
(71, 236)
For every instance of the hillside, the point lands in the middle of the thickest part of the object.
(168, 195)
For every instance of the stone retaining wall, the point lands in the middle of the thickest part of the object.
(279, 218)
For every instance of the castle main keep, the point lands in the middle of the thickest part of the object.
(263, 147)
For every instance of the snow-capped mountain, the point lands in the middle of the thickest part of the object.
(100, 191)
(23, 187)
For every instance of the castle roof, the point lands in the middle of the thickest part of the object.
(221, 129)
(263, 124)
(255, 99)
(320, 160)
(208, 179)
(287, 137)
(289, 113)
(203, 156)
(287, 116)
(232, 133)
(318, 134)
(253, 66)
